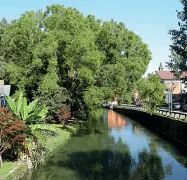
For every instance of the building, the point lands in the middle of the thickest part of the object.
(4, 91)
(173, 84)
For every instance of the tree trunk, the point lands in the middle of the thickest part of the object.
(1, 161)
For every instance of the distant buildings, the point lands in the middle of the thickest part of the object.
(171, 81)
(173, 84)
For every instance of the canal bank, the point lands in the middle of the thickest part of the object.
(174, 129)
(111, 147)
(17, 170)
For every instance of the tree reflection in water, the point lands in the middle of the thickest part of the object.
(106, 165)
(149, 165)
(95, 155)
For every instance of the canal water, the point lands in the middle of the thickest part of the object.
(114, 147)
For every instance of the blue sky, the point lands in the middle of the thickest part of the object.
(150, 19)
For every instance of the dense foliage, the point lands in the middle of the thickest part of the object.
(178, 58)
(45, 52)
(31, 113)
(12, 131)
(151, 91)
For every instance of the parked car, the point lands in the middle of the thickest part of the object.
(176, 106)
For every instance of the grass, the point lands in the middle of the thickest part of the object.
(6, 168)
(55, 141)
(6, 174)
(18, 173)
(63, 133)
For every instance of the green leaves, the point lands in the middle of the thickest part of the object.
(32, 106)
(151, 91)
(178, 57)
(48, 127)
(11, 104)
(31, 114)
(94, 97)
(20, 103)
(24, 112)
(60, 48)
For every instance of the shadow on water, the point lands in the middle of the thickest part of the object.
(112, 163)
(106, 165)
(112, 147)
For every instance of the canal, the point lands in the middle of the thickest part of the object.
(114, 147)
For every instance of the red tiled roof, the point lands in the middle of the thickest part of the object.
(168, 74)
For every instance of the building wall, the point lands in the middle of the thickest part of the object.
(176, 83)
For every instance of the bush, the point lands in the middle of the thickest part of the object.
(54, 101)
(63, 114)
(12, 132)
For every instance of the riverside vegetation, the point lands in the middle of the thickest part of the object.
(65, 65)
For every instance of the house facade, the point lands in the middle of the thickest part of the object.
(172, 83)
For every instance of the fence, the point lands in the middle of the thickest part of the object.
(162, 112)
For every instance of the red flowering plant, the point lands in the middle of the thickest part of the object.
(63, 114)
(12, 131)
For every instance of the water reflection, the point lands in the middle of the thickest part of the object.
(115, 120)
(105, 150)
(149, 165)
(137, 129)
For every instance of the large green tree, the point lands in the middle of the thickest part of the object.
(21, 39)
(60, 49)
(124, 58)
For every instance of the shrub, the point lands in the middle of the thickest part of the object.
(54, 101)
(12, 131)
(31, 113)
(63, 114)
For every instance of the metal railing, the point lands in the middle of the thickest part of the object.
(162, 112)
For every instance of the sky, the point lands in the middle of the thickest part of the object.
(150, 19)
